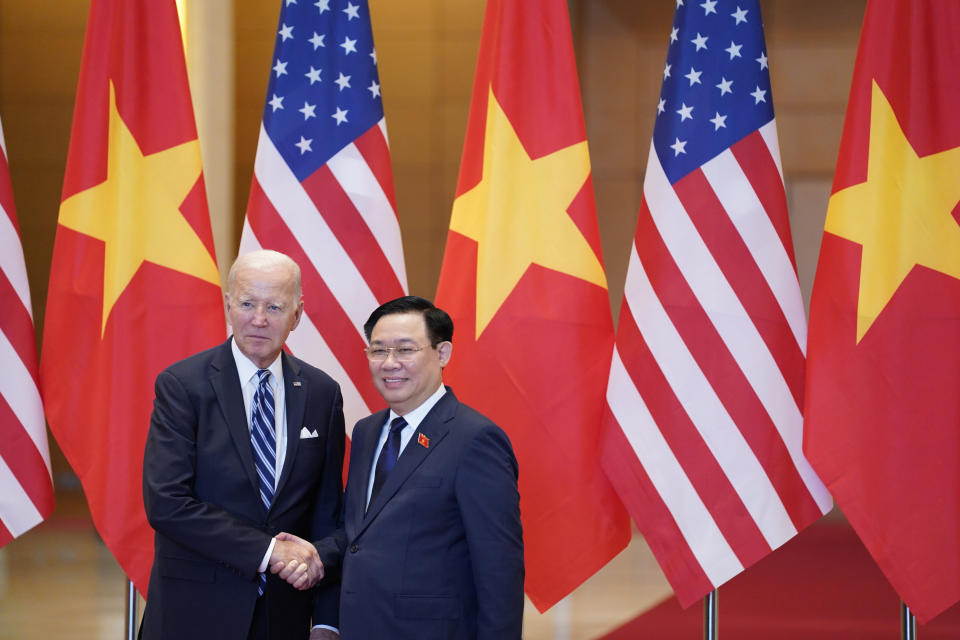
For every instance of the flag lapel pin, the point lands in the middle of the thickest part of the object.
(423, 441)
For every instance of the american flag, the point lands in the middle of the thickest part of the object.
(322, 188)
(26, 487)
(706, 385)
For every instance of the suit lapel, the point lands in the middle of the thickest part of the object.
(226, 385)
(295, 398)
(367, 436)
(433, 427)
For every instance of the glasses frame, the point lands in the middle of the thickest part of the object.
(395, 352)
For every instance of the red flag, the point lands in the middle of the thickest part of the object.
(322, 188)
(883, 376)
(134, 283)
(523, 279)
(706, 385)
(25, 481)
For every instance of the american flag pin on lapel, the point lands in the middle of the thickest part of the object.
(297, 383)
(423, 441)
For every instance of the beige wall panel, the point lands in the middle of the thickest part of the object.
(619, 200)
(22, 55)
(411, 18)
(43, 17)
(408, 67)
(424, 232)
(413, 138)
(37, 133)
(458, 62)
(246, 131)
(811, 76)
(809, 140)
(615, 141)
(807, 200)
(813, 22)
(460, 16)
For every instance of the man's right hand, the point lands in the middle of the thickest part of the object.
(296, 561)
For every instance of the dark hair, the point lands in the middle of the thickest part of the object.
(439, 324)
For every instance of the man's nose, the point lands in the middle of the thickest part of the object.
(260, 317)
(391, 361)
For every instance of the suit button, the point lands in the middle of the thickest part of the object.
(354, 549)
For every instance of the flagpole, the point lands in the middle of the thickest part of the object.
(710, 616)
(908, 624)
(131, 610)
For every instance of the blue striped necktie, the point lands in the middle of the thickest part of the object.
(264, 438)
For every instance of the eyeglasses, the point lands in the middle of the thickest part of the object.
(402, 354)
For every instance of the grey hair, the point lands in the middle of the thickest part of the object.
(266, 259)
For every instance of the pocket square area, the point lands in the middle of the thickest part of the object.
(307, 433)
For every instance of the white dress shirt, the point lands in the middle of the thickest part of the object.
(414, 418)
(248, 385)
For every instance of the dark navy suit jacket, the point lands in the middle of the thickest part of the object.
(201, 496)
(439, 553)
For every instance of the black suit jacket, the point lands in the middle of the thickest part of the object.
(202, 498)
(439, 553)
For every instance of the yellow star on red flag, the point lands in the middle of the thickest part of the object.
(901, 215)
(517, 213)
(136, 211)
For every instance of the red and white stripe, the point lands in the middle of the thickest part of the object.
(340, 225)
(26, 487)
(707, 375)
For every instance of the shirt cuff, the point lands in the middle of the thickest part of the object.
(266, 558)
(326, 626)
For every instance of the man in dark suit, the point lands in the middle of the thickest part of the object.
(245, 443)
(431, 542)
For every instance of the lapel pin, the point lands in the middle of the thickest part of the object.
(297, 383)
(423, 441)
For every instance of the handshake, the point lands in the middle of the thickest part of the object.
(295, 560)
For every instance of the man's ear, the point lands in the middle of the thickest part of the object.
(445, 349)
(298, 314)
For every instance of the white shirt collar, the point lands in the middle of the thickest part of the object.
(415, 417)
(247, 369)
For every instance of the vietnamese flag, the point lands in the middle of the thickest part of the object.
(883, 362)
(523, 280)
(134, 284)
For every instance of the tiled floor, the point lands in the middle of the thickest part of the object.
(59, 581)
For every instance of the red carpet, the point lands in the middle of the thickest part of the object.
(822, 585)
